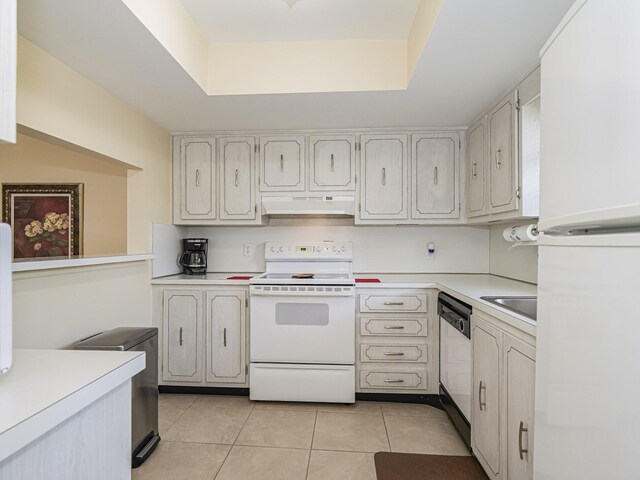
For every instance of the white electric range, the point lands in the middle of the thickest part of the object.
(302, 324)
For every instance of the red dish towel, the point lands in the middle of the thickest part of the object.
(240, 277)
(367, 280)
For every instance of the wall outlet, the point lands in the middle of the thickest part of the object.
(248, 250)
(431, 250)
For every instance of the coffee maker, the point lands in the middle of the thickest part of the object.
(194, 256)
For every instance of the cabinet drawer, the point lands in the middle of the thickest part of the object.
(409, 379)
(393, 327)
(393, 353)
(393, 303)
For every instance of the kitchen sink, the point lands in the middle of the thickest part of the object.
(527, 306)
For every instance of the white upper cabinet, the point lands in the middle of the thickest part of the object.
(434, 173)
(237, 178)
(503, 158)
(282, 164)
(198, 178)
(477, 161)
(332, 163)
(8, 49)
(384, 173)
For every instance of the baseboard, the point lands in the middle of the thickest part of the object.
(204, 390)
(427, 399)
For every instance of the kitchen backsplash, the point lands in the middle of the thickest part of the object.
(376, 249)
(517, 262)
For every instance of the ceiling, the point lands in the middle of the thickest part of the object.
(239, 21)
(476, 51)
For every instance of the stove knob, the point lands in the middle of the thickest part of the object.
(273, 249)
(281, 249)
(335, 248)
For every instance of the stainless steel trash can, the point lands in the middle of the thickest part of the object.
(144, 386)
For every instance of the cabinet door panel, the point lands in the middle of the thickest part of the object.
(485, 422)
(435, 174)
(332, 163)
(520, 371)
(182, 317)
(237, 174)
(502, 160)
(384, 177)
(282, 163)
(226, 336)
(477, 154)
(198, 181)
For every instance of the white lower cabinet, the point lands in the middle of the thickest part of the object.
(182, 335)
(487, 346)
(226, 336)
(204, 335)
(520, 373)
(503, 404)
(397, 352)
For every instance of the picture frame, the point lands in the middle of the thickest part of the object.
(47, 219)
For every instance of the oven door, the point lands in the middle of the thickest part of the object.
(292, 324)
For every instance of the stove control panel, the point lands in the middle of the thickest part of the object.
(307, 251)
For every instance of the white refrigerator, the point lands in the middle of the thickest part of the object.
(587, 410)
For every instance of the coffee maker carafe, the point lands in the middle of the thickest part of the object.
(194, 256)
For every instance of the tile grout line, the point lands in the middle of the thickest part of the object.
(313, 436)
(180, 416)
(233, 444)
(386, 431)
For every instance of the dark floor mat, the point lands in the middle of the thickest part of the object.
(408, 466)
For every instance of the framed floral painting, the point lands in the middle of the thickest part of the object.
(46, 219)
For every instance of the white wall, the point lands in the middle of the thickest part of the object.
(519, 263)
(376, 249)
(55, 308)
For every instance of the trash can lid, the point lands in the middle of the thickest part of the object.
(122, 338)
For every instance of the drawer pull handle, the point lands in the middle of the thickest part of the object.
(332, 163)
(394, 354)
(236, 177)
(520, 432)
(394, 303)
(482, 387)
(393, 327)
(473, 170)
(391, 380)
(282, 163)
(384, 176)
(197, 178)
(181, 336)
(498, 154)
(224, 335)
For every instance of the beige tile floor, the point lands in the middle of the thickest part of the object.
(208, 437)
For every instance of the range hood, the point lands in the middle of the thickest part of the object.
(309, 206)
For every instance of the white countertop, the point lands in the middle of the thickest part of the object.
(46, 387)
(208, 279)
(466, 287)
